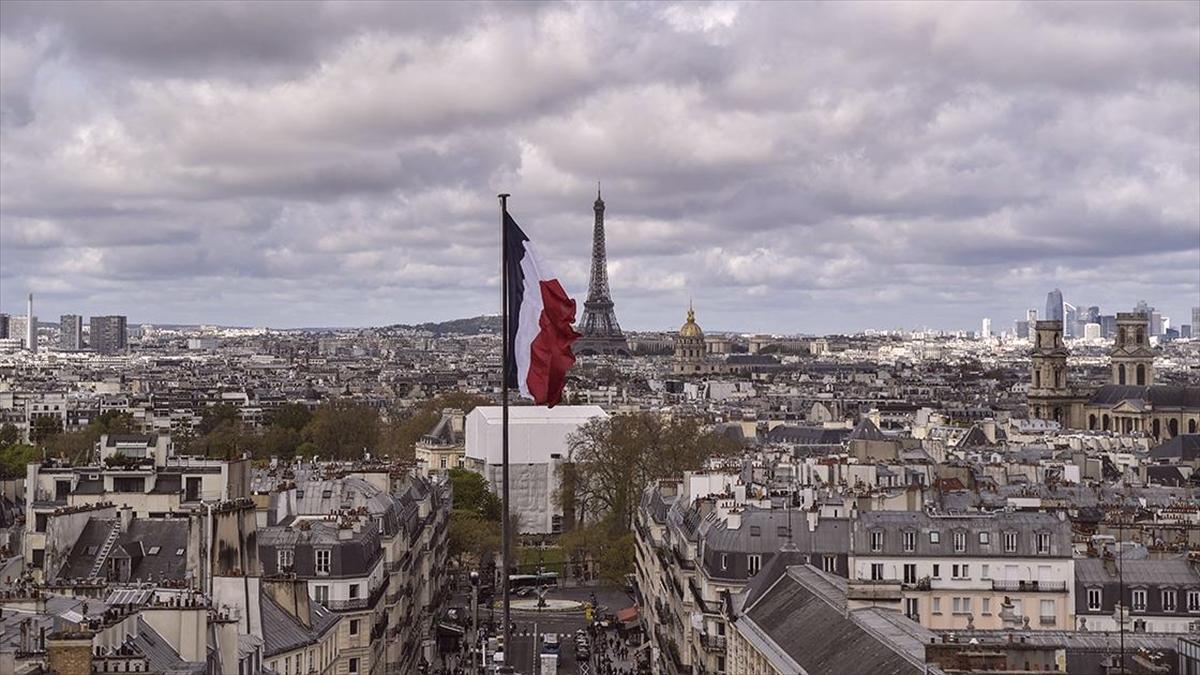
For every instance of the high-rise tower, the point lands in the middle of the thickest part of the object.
(599, 328)
(1054, 305)
(31, 327)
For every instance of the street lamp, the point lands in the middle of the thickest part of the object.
(474, 622)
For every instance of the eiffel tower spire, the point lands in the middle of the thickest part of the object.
(601, 332)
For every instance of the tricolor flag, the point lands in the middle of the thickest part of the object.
(540, 315)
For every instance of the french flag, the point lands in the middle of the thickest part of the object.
(540, 315)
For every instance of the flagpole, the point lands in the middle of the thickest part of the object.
(504, 366)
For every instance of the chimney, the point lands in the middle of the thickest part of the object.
(733, 520)
(69, 653)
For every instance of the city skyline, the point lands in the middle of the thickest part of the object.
(784, 178)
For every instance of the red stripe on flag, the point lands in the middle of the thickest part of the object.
(551, 355)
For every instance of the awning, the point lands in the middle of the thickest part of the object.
(628, 615)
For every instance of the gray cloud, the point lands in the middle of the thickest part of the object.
(793, 167)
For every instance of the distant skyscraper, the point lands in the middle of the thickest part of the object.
(1108, 325)
(1054, 306)
(1070, 320)
(986, 329)
(108, 334)
(1157, 327)
(1031, 316)
(31, 327)
(601, 332)
(70, 332)
(1021, 329)
(1195, 319)
(3, 326)
(1091, 331)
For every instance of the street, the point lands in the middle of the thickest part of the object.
(525, 649)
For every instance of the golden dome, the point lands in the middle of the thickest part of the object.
(691, 329)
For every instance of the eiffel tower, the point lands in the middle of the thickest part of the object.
(601, 332)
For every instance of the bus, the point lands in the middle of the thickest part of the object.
(522, 584)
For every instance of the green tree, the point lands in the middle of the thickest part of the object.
(8, 434)
(114, 422)
(279, 441)
(294, 416)
(44, 428)
(614, 459)
(474, 541)
(343, 429)
(14, 457)
(471, 494)
(216, 415)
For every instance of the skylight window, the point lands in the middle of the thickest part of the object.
(155, 549)
(178, 551)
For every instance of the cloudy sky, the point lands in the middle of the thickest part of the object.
(809, 167)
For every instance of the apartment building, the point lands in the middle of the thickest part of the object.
(958, 571)
(1151, 596)
(700, 542)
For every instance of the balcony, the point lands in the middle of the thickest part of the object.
(1047, 620)
(358, 603)
(713, 643)
(1014, 586)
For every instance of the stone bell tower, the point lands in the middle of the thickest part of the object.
(1131, 356)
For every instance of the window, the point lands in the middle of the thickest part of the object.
(755, 531)
(1193, 601)
(753, 564)
(1048, 612)
(154, 550)
(910, 573)
(937, 571)
(784, 532)
(984, 538)
(910, 541)
(910, 608)
(287, 665)
(285, 558)
(961, 605)
(354, 665)
(1093, 599)
(322, 594)
(353, 591)
(323, 557)
(1139, 600)
(829, 563)
(724, 561)
(960, 542)
(1043, 543)
(876, 571)
(987, 606)
(986, 573)
(876, 541)
(354, 626)
(1010, 542)
(937, 606)
(935, 537)
(1168, 600)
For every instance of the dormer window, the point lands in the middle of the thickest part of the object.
(935, 537)
(910, 541)
(755, 531)
(1043, 543)
(285, 559)
(876, 540)
(960, 542)
(1010, 542)
(324, 556)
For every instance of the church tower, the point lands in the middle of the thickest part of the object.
(1049, 395)
(1132, 357)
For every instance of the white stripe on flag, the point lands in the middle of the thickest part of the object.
(529, 315)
